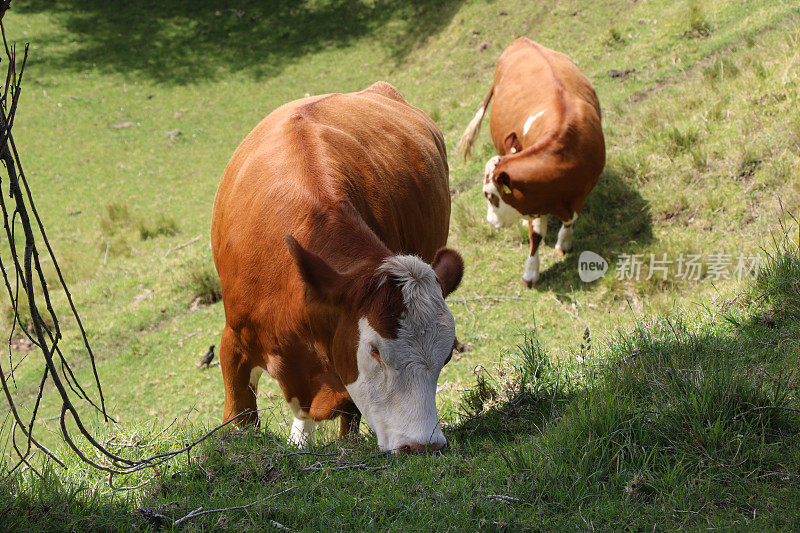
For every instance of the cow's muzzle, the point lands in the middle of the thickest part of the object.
(416, 447)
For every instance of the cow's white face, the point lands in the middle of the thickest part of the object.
(396, 386)
(499, 214)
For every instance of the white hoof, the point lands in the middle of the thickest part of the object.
(531, 274)
(530, 281)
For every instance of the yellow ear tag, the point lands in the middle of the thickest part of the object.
(506, 189)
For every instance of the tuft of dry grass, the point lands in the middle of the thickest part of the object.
(199, 278)
(162, 225)
(699, 25)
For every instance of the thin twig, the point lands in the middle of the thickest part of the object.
(200, 512)
(503, 497)
(184, 245)
(490, 297)
(472, 314)
(361, 466)
(28, 285)
(187, 337)
(777, 407)
(122, 489)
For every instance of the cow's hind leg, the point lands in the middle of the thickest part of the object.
(537, 229)
(565, 234)
(240, 377)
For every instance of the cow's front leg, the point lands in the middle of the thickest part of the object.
(302, 427)
(564, 243)
(537, 229)
(240, 375)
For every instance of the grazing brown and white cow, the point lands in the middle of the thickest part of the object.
(328, 232)
(545, 126)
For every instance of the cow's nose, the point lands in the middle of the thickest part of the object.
(418, 447)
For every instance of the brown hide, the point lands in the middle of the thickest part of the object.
(559, 160)
(353, 178)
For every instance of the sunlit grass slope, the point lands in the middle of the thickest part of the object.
(687, 421)
(131, 110)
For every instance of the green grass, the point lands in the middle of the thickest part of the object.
(202, 281)
(702, 141)
(677, 143)
(688, 420)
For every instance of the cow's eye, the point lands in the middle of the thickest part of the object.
(374, 352)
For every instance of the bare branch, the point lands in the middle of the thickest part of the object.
(360, 466)
(489, 297)
(184, 245)
(200, 512)
(29, 289)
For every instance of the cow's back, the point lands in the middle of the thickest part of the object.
(530, 78)
(296, 171)
(392, 166)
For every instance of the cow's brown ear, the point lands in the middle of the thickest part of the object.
(503, 182)
(449, 268)
(322, 282)
(512, 144)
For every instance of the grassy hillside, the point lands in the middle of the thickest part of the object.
(689, 421)
(131, 110)
(702, 141)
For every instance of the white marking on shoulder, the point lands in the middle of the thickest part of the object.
(530, 121)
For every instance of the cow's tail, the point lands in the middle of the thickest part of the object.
(471, 133)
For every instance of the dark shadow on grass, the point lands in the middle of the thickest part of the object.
(50, 504)
(615, 220)
(519, 416)
(722, 393)
(180, 42)
(500, 410)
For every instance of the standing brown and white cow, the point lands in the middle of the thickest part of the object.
(328, 232)
(545, 124)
